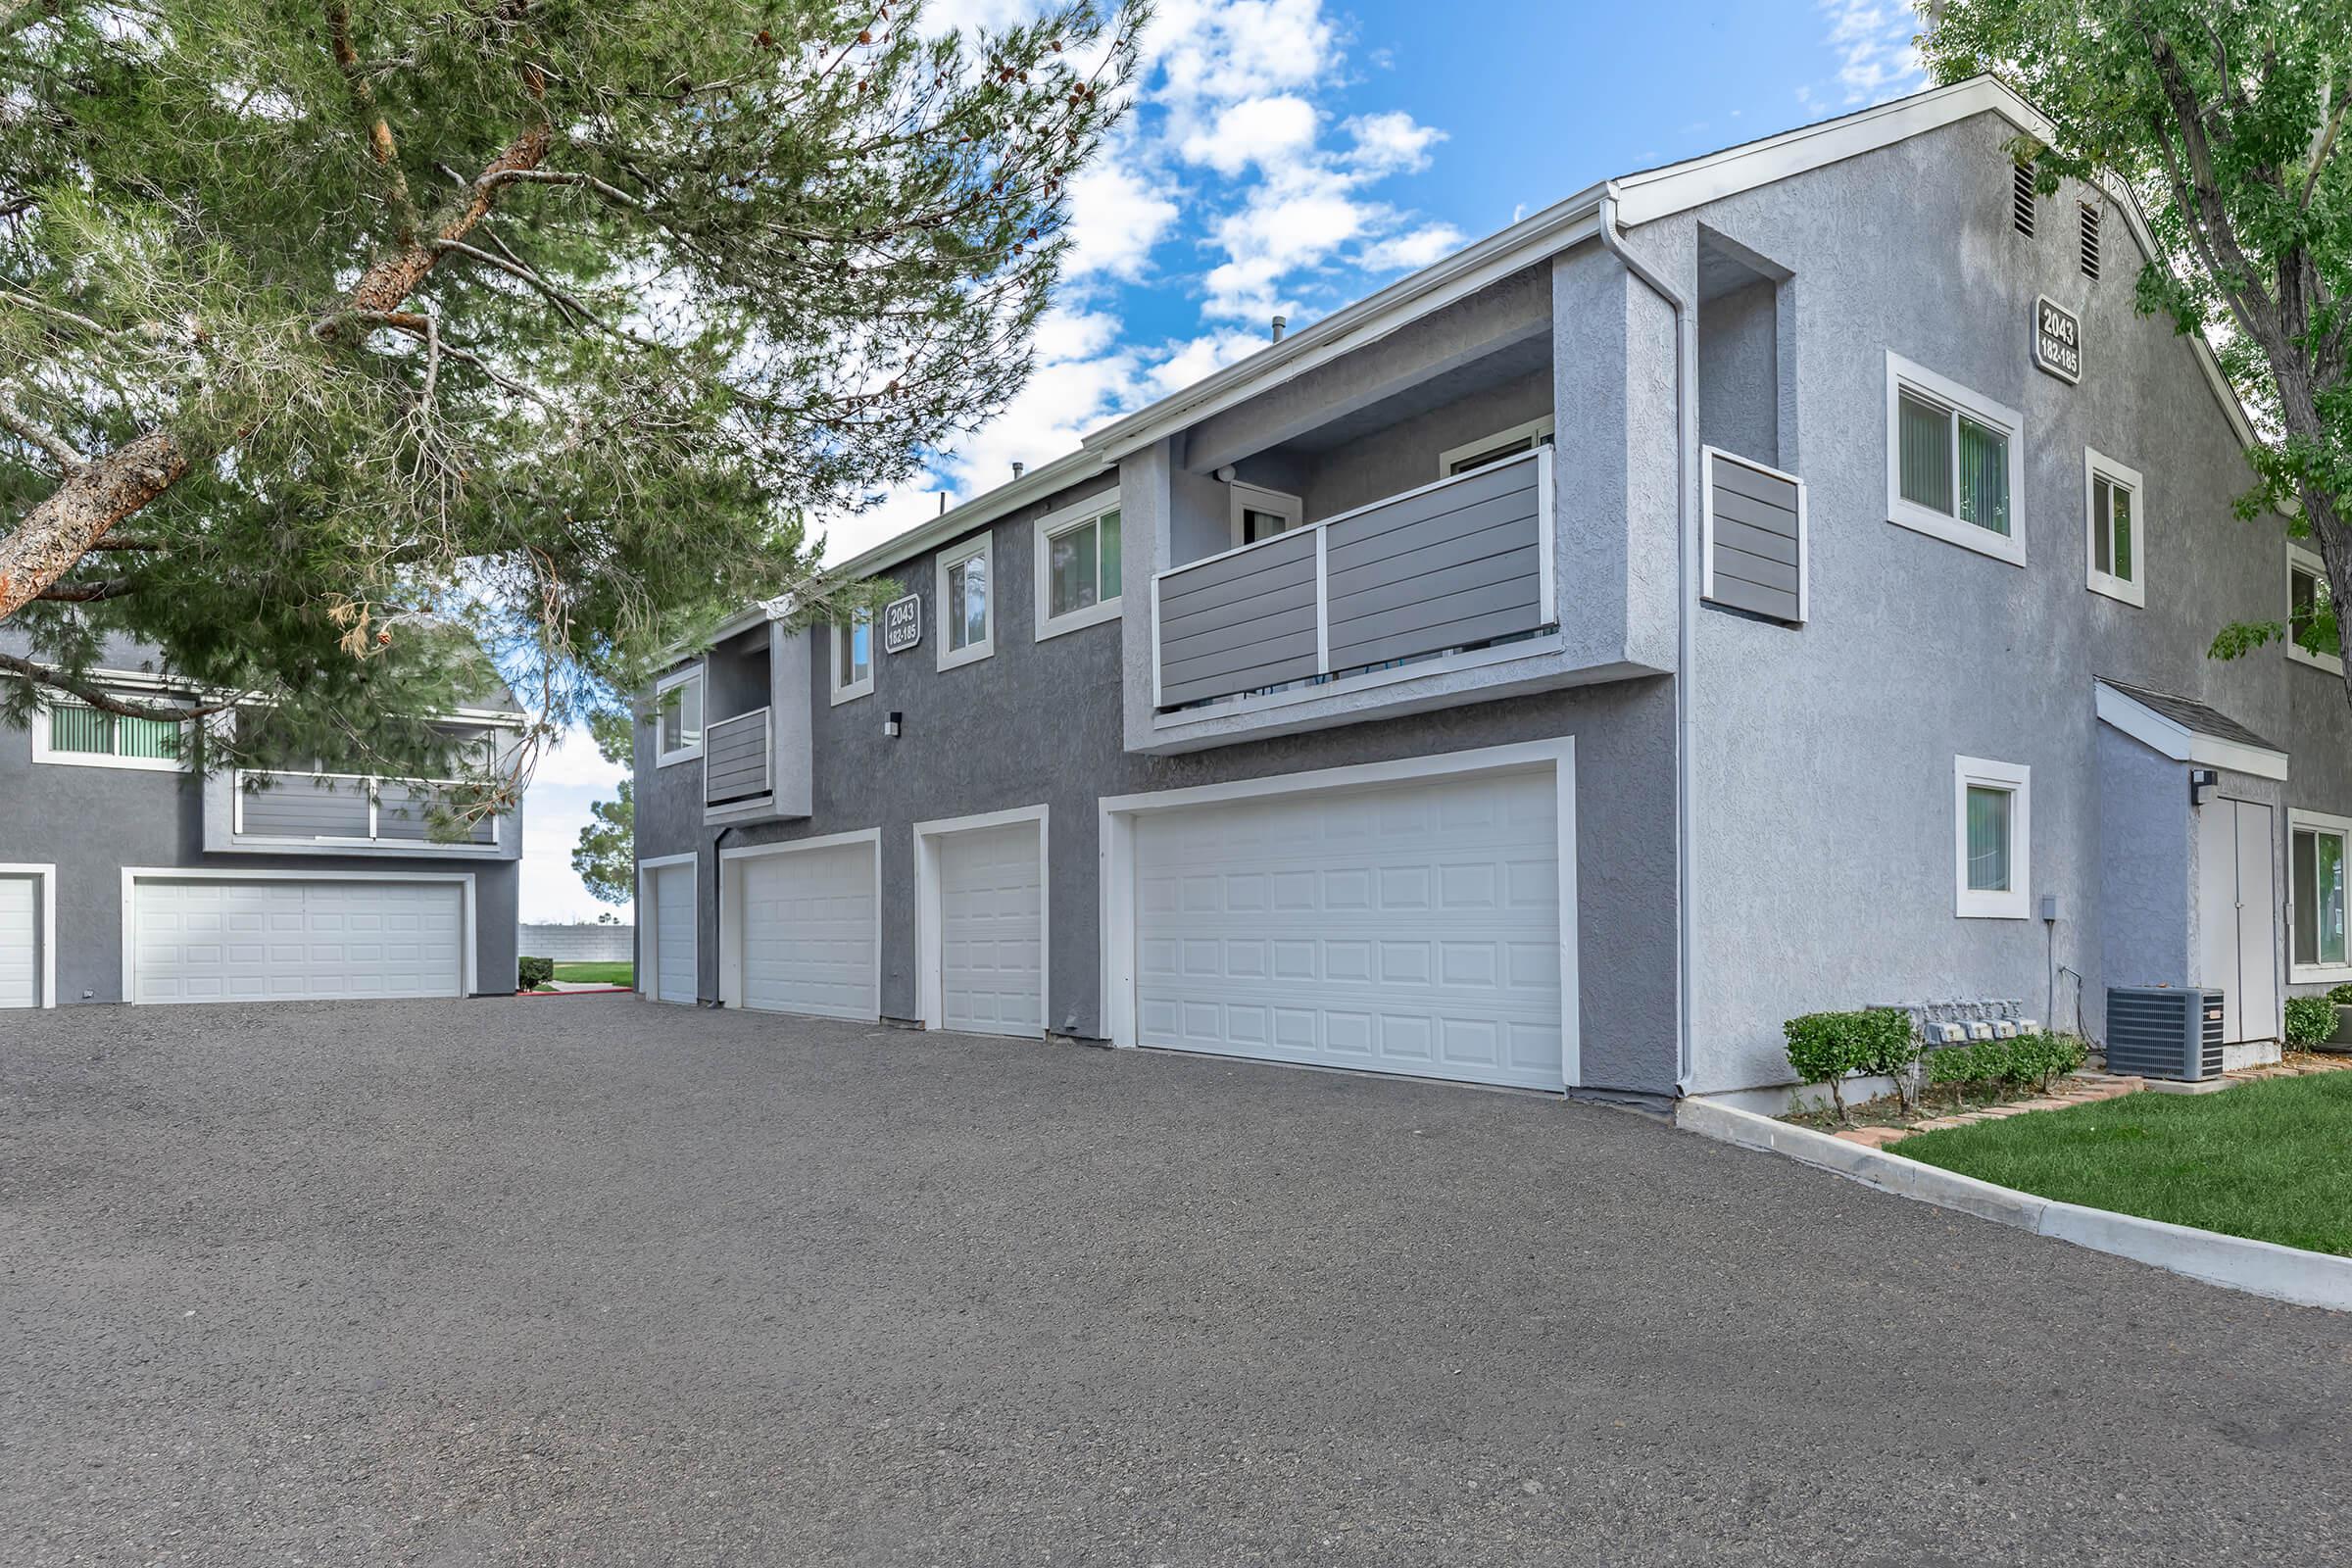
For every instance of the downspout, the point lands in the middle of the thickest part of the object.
(1685, 437)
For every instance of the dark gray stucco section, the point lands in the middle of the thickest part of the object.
(2149, 869)
(1823, 758)
(91, 822)
(1042, 724)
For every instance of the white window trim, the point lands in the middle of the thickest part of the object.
(2298, 821)
(983, 548)
(1258, 497)
(43, 751)
(1974, 904)
(2133, 590)
(1537, 428)
(1092, 509)
(44, 922)
(2309, 560)
(851, 691)
(661, 690)
(1902, 372)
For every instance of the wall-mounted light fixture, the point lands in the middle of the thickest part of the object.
(892, 726)
(2201, 779)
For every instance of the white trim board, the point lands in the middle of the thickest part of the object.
(1093, 509)
(1115, 884)
(2015, 900)
(469, 940)
(44, 918)
(2131, 590)
(2298, 820)
(930, 985)
(2169, 738)
(730, 899)
(649, 932)
(691, 674)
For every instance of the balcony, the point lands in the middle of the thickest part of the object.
(351, 812)
(735, 762)
(1754, 548)
(1457, 565)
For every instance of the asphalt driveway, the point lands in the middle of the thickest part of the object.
(587, 1280)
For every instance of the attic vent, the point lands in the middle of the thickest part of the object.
(2022, 197)
(2091, 242)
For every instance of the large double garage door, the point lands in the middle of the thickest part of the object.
(1412, 925)
(289, 939)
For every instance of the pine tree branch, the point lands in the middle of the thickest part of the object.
(87, 593)
(378, 131)
(61, 451)
(54, 679)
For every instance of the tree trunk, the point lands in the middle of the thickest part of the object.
(61, 528)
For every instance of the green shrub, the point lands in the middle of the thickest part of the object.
(2309, 1021)
(1889, 1047)
(532, 973)
(2342, 995)
(1823, 1048)
(2028, 1061)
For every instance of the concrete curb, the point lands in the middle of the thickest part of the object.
(2258, 1268)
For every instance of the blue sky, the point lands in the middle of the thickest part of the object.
(1294, 155)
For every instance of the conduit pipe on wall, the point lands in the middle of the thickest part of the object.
(1686, 456)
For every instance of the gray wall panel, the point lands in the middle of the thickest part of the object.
(299, 807)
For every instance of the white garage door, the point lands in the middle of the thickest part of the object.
(992, 943)
(20, 942)
(809, 942)
(673, 934)
(194, 940)
(1411, 928)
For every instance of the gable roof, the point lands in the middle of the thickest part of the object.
(2186, 730)
(1632, 199)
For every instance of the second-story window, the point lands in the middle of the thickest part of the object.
(1260, 513)
(678, 717)
(2315, 635)
(1079, 568)
(1954, 461)
(76, 733)
(853, 657)
(966, 603)
(2118, 529)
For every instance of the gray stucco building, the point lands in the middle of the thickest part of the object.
(1774, 582)
(125, 875)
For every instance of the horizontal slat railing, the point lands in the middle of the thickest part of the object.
(348, 809)
(1755, 546)
(1464, 561)
(735, 759)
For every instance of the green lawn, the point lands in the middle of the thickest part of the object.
(2271, 1160)
(596, 974)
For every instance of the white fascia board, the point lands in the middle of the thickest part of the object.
(2168, 738)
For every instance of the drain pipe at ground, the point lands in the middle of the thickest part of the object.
(1686, 456)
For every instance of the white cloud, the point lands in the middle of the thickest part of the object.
(1407, 252)
(1267, 131)
(1391, 142)
(1117, 214)
(1876, 59)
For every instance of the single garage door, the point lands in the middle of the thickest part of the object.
(198, 940)
(808, 942)
(673, 934)
(992, 943)
(20, 942)
(1410, 929)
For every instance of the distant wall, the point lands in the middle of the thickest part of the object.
(578, 944)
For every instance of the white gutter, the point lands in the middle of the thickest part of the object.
(1685, 458)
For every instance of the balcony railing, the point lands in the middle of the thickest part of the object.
(1454, 564)
(735, 760)
(351, 810)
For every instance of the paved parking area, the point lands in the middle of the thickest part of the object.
(594, 1281)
